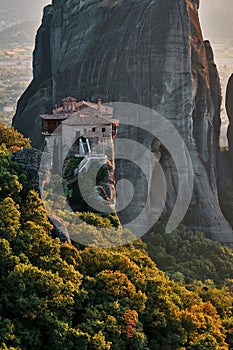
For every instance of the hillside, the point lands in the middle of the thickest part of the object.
(83, 280)
(55, 295)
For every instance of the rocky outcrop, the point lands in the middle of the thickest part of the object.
(148, 52)
(215, 89)
(92, 186)
(36, 99)
(223, 176)
(229, 108)
(29, 160)
(30, 163)
(60, 229)
(225, 159)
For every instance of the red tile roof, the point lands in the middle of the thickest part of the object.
(93, 113)
(69, 99)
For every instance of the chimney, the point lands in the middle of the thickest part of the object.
(55, 109)
(99, 102)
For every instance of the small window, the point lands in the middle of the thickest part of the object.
(93, 129)
(103, 129)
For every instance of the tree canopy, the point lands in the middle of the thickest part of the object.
(55, 295)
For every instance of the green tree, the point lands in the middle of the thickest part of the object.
(33, 210)
(9, 219)
(10, 185)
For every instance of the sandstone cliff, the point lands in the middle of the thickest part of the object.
(149, 52)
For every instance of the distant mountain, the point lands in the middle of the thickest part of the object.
(19, 20)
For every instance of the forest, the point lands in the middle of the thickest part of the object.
(167, 292)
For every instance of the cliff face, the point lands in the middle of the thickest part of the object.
(37, 99)
(225, 159)
(229, 107)
(148, 52)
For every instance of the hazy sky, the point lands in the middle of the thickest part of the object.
(216, 15)
(216, 19)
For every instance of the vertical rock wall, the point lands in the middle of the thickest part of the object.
(148, 52)
(229, 107)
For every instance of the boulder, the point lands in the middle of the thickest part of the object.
(29, 160)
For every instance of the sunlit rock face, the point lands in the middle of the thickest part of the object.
(225, 159)
(229, 107)
(148, 52)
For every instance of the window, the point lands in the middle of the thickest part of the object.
(103, 129)
(93, 129)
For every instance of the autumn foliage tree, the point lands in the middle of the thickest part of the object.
(11, 140)
(58, 296)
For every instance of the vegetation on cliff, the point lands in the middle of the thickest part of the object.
(55, 295)
(187, 256)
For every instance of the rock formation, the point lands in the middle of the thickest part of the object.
(97, 184)
(36, 99)
(215, 89)
(229, 107)
(60, 229)
(224, 179)
(29, 160)
(148, 52)
(225, 159)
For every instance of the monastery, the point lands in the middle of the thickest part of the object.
(83, 129)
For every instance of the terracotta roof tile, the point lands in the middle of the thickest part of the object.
(69, 99)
